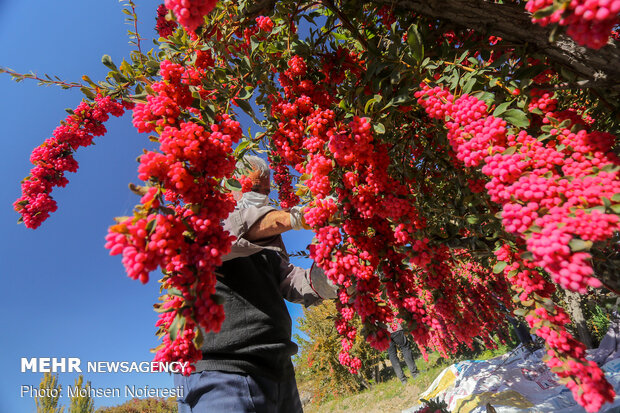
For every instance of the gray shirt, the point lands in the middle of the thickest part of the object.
(297, 284)
(254, 280)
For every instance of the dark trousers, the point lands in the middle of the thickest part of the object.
(398, 338)
(224, 392)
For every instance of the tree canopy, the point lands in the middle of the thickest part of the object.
(453, 156)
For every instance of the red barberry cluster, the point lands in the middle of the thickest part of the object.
(545, 190)
(589, 22)
(55, 157)
(336, 65)
(283, 180)
(375, 215)
(177, 225)
(163, 26)
(264, 23)
(566, 356)
(550, 193)
(297, 67)
(190, 13)
(181, 348)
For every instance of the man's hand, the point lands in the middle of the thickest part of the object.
(321, 284)
(297, 218)
(273, 223)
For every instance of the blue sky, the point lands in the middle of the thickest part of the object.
(63, 295)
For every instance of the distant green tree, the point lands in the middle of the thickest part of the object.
(48, 395)
(316, 365)
(81, 403)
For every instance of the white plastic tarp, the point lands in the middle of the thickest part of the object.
(519, 382)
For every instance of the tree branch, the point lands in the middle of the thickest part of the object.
(512, 23)
(345, 21)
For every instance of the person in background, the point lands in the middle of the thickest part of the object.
(398, 339)
(247, 367)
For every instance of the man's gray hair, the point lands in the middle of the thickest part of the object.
(255, 163)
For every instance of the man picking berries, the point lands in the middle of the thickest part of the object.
(246, 367)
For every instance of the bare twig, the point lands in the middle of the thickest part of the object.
(133, 17)
(48, 81)
(135, 27)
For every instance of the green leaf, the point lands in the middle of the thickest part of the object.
(340, 36)
(516, 117)
(527, 255)
(220, 75)
(472, 219)
(414, 40)
(274, 47)
(371, 102)
(546, 128)
(243, 104)
(245, 93)
(88, 93)
(199, 338)
(606, 202)
(277, 30)
(126, 69)
(150, 226)
(254, 43)
(469, 85)
(175, 292)
(241, 148)
(501, 108)
(544, 12)
(616, 197)
(487, 97)
(107, 61)
(521, 312)
(577, 245)
(454, 81)
(177, 324)
(534, 228)
(233, 184)
(511, 150)
(387, 105)
(499, 267)
(402, 98)
(379, 128)
(555, 31)
(528, 72)
(89, 81)
(610, 168)
(396, 77)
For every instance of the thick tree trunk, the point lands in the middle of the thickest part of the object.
(512, 23)
(573, 302)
